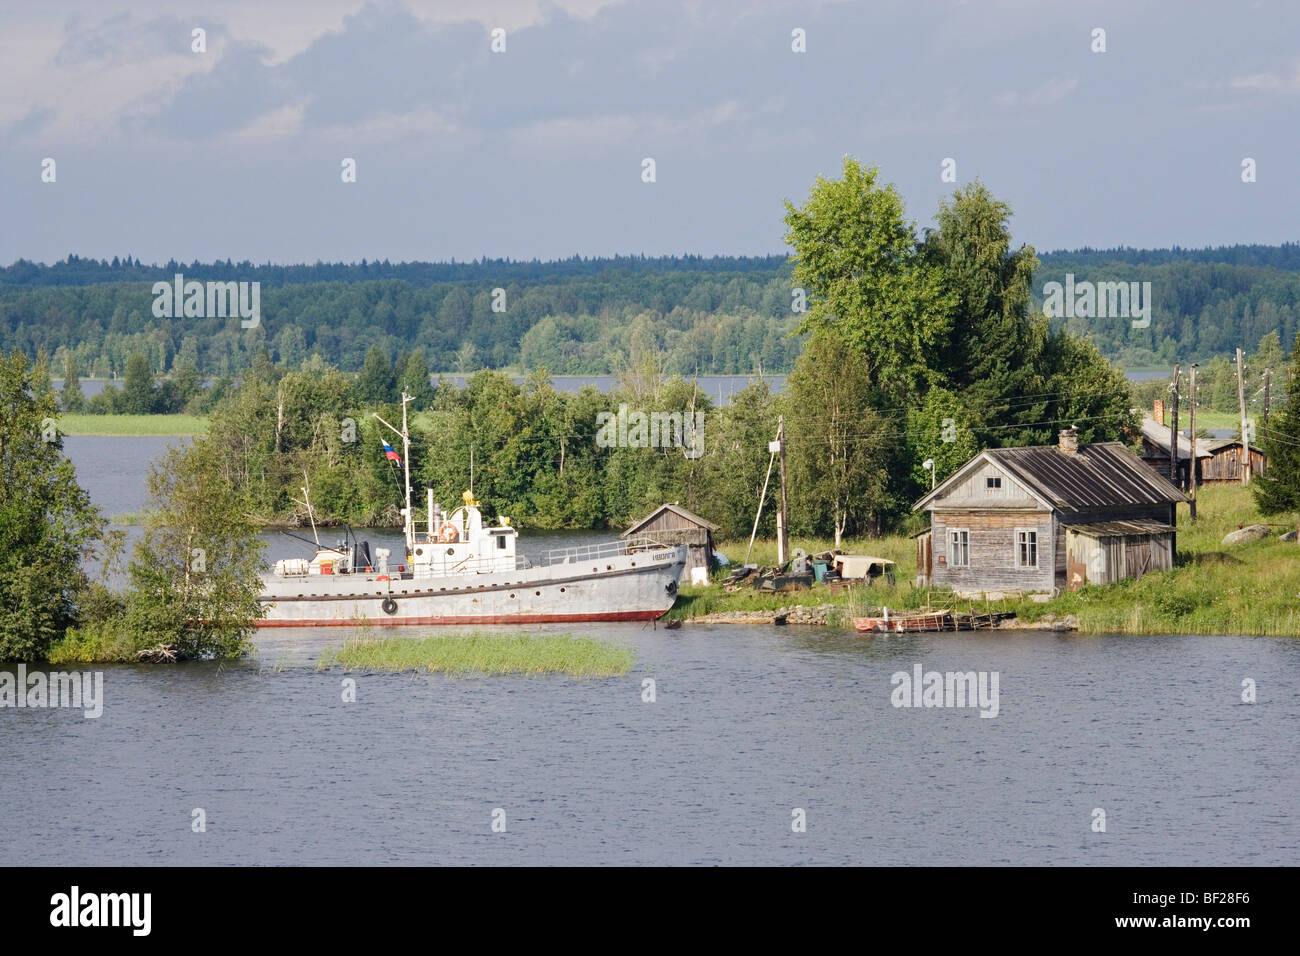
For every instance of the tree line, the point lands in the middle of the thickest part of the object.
(721, 315)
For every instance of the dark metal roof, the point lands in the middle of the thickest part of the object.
(1105, 529)
(1097, 476)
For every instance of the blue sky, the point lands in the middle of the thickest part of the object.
(236, 152)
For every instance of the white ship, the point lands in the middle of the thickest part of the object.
(462, 570)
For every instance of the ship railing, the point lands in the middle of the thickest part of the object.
(608, 549)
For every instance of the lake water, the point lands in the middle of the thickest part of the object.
(748, 724)
(719, 388)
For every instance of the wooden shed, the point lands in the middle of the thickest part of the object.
(673, 524)
(1219, 461)
(1045, 519)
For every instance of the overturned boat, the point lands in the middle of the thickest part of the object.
(462, 570)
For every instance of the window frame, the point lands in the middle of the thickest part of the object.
(1019, 546)
(956, 541)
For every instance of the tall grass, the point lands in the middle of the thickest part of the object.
(480, 653)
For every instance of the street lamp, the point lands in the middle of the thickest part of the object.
(928, 465)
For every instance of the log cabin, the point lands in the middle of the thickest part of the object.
(1045, 519)
(673, 524)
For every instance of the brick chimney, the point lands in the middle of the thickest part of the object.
(1158, 412)
(1069, 443)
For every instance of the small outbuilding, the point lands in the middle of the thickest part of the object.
(673, 524)
(1219, 461)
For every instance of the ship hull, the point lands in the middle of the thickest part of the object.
(639, 586)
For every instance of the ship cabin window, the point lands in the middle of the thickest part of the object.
(501, 542)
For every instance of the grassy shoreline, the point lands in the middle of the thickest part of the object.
(1251, 589)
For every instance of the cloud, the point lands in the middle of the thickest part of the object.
(1052, 91)
(1268, 82)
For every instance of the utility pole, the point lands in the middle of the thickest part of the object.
(1245, 438)
(1173, 431)
(1193, 465)
(1268, 375)
(782, 527)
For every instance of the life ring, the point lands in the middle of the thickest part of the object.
(449, 533)
(382, 577)
(389, 606)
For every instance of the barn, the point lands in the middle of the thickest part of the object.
(1045, 519)
(673, 524)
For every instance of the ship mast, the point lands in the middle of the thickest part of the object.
(408, 524)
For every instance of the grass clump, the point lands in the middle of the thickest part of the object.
(459, 655)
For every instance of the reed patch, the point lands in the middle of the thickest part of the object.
(482, 654)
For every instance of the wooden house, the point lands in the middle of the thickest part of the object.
(1045, 519)
(673, 524)
(1219, 461)
(1224, 463)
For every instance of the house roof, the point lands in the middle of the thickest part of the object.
(675, 508)
(1103, 474)
(1106, 529)
(1158, 435)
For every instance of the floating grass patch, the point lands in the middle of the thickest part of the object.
(483, 653)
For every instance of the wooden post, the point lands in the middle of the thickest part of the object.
(1173, 431)
(782, 527)
(1192, 467)
(1245, 440)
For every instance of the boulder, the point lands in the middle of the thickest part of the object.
(1287, 536)
(1252, 532)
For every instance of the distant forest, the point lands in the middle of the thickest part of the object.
(698, 315)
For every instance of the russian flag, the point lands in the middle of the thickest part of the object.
(389, 453)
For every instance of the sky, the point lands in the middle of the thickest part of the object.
(237, 150)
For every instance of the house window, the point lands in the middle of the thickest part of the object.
(958, 548)
(993, 485)
(1026, 548)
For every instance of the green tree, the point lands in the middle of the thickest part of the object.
(1278, 489)
(414, 380)
(991, 354)
(838, 449)
(72, 399)
(376, 384)
(47, 529)
(194, 572)
(857, 258)
(138, 389)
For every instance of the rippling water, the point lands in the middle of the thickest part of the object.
(748, 724)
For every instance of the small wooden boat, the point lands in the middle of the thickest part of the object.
(929, 619)
(915, 621)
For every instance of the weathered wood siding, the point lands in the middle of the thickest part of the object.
(1225, 465)
(993, 551)
(1112, 558)
(974, 492)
